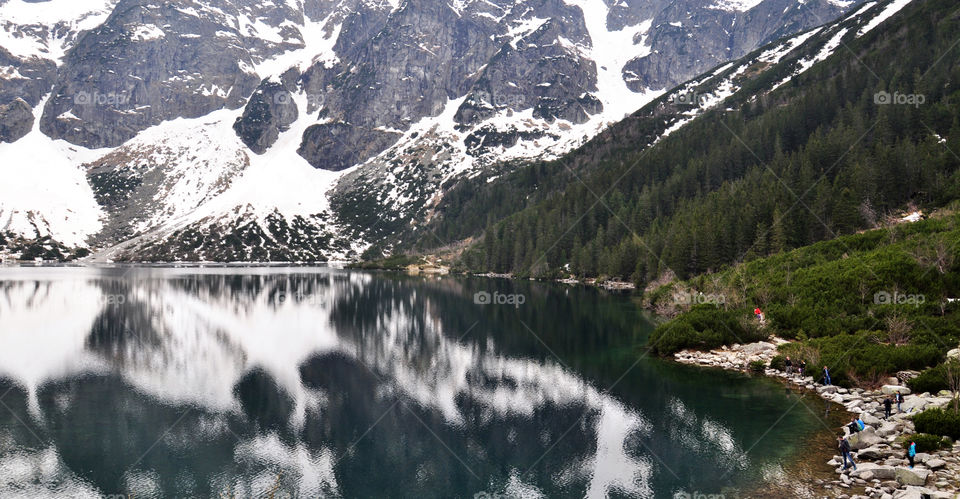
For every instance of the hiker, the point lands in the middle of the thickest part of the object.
(803, 367)
(852, 427)
(844, 447)
(826, 376)
(856, 426)
(756, 313)
(887, 403)
(899, 398)
(912, 452)
(789, 364)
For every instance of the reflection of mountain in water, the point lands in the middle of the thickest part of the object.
(316, 383)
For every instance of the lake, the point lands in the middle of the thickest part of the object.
(320, 382)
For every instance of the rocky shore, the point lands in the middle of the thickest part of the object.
(882, 471)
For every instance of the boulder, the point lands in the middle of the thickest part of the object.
(915, 476)
(935, 463)
(915, 492)
(891, 389)
(864, 439)
(16, 120)
(827, 389)
(759, 347)
(887, 428)
(870, 419)
(872, 453)
(877, 471)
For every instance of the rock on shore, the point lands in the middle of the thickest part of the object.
(883, 471)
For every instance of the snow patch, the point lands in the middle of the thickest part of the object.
(888, 11)
(44, 191)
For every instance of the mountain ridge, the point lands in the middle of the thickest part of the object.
(303, 65)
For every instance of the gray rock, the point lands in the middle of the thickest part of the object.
(270, 111)
(864, 439)
(877, 471)
(935, 464)
(870, 419)
(915, 476)
(891, 389)
(872, 453)
(148, 63)
(16, 120)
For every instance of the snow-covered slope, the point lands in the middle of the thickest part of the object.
(44, 191)
(367, 111)
(46, 30)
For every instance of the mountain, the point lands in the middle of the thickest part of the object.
(307, 130)
(822, 134)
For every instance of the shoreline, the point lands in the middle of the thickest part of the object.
(882, 471)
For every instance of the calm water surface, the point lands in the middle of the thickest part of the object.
(239, 382)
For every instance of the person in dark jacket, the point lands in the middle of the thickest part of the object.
(899, 399)
(803, 367)
(789, 365)
(844, 447)
(887, 404)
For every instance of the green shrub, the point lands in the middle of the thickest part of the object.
(925, 442)
(938, 422)
(778, 362)
(931, 380)
(757, 366)
(703, 327)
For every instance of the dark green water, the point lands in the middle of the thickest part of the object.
(232, 382)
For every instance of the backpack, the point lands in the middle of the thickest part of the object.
(860, 425)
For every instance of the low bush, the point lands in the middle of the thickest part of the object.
(702, 328)
(757, 366)
(925, 442)
(778, 362)
(938, 422)
(931, 380)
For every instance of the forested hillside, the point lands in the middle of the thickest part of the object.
(863, 133)
(867, 305)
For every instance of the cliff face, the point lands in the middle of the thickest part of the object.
(390, 103)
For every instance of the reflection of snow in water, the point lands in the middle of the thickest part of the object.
(201, 342)
(43, 330)
(705, 436)
(312, 472)
(39, 474)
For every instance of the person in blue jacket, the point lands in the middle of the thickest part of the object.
(826, 376)
(912, 452)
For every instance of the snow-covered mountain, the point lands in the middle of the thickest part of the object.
(306, 129)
